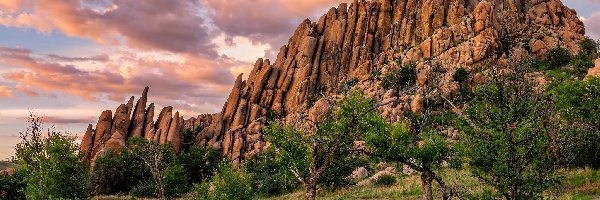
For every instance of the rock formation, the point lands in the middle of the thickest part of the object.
(353, 42)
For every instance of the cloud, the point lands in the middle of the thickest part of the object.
(61, 120)
(264, 21)
(6, 92)
(185, 80)
(592, 25)
(164, 25)
(100, 58)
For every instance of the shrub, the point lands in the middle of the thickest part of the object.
(460, 75)
(406, 75)
(588, 47)
(581, 63)
(336, 174)
(144, 190)
(578, 103)
(270, 176)
(200, 163)
(176, 181)
(11, 186)
(229, 183)
(558, 57)
(385, 180)
(119, 173)
(538, 64)
(51, 164)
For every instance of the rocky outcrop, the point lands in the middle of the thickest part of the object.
(595, 71)
(139, 115)
(355, 42)
(86, 143)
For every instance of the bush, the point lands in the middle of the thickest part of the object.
(538, 64)
(176, 181)
(581, 63)
(55, 171)
(230, 183)
(558, 57)
(385, 180)
(588, 47)
(336, 174)
(144, 190)
(460, 75)
(11, 186)
(118, 174)
(200, 163)
(270, 176)
(406, 75)
(51, 164)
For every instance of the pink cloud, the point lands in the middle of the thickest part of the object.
(190, 83)
(150, 24)
(266, 21)
(592, 25)
(6, 92)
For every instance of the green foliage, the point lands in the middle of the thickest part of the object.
(581, 63)
(228, 183)
(579, 106)
(11, 186)
(507, 137)
(176, 181)
(588, 47)
(199, 162)
(119, 173)
(406, 75)
(270, 176)
(144, 190)
(53, 169)
(538, 64)
(400, 144)
(336, 175)
(385, 180)
(460, 75)
(309, 152)
(558, 57)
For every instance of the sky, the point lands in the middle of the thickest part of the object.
(68, 60)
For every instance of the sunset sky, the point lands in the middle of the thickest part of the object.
(70, 59)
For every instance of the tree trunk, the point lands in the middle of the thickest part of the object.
(311, 191)
(426, 182)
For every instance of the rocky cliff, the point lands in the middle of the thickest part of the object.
(349, 44)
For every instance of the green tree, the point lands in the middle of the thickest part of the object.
(176, 181)
(270, 175)
(199, 162)
(558, 57)
(309, 151)
(588, 47)
(578, 103)
(51, 164)
(423, 152)
(119, 173)
(228, 183)
(506, 131)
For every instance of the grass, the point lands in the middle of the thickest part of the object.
(575, 185)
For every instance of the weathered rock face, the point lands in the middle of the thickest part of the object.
(352, 42)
